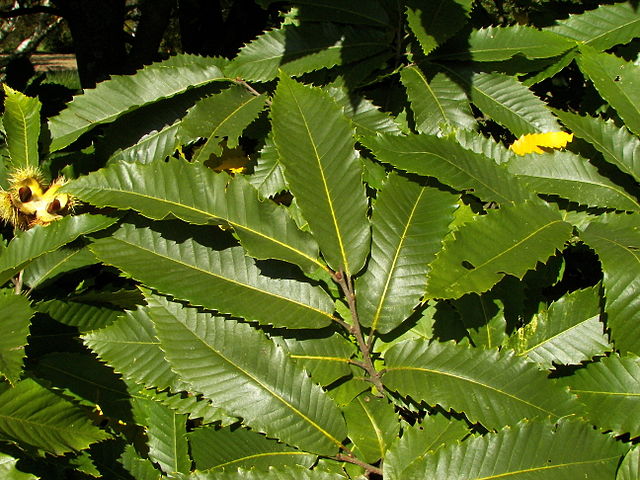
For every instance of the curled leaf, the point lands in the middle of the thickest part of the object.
(532, 142)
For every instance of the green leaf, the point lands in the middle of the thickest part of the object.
(139, 468)
(196, 194)
(488, 147)
(356, 12)
(76, 313)
(296, 472)
(572, 177)
(618, 146)
(32, 415)
(366, 117)
(417, 440)
(630, 466)
(496, 44)
(194, 406)
(439, 104)
(44, 239)
(409, 224)
(468, 380)
(472, 261)
(48, 266)
(121, 94)
(268, 176)
(552, 69)
(90, 381)
(508, 102)
(225, 449)
(426, 19)
(569, 333)
(602, 28)
(302, 49)
(526, 451)
(616, 80)
(21, 121)
(9, 469)
(225, 360)
(15, 319)
(191, 271)
(610, 391)
(372, 424)
(157, 144)
(483, 318)
(616, 240)
(131, 347)
(316, 147)
(226, 114)
(166, 434)
(150, 131)
(445, 159)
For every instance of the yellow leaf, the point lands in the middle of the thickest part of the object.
(532, 142)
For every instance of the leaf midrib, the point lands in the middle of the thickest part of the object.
(230, 115)
(325, 186)
(474, 271)
(473, 381)
(437, 101)
(204, 213)
(456, 166)
(589, 181)
(396, 256)
(256, 456)
(548, 467)
(221, 277)
(558, 334)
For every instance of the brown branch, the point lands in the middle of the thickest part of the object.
(351, 459)
(17, 281)
(239, 81)
(18, 12)
(367, 364)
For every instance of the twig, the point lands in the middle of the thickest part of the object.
(351, 459)
(18, 283)
(17, 12)
(243, 83)
(347, 288)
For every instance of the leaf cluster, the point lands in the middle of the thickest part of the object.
(320, 259)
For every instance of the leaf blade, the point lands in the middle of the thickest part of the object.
(616, 240)
(189, 270)
(602, 28)
(21, 121)
(614, 78)
(446, 160)
(522, 235)
(409, 223)
(55, 425)
(444, 374)
(550, 453)
(198, 195)
(44, 239)
(284, 403)
(15, 316)
(438, 104)
(114, 97)
(610, 392)
(574, 178)
(323, 155)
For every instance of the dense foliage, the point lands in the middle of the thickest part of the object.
(320, 259)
